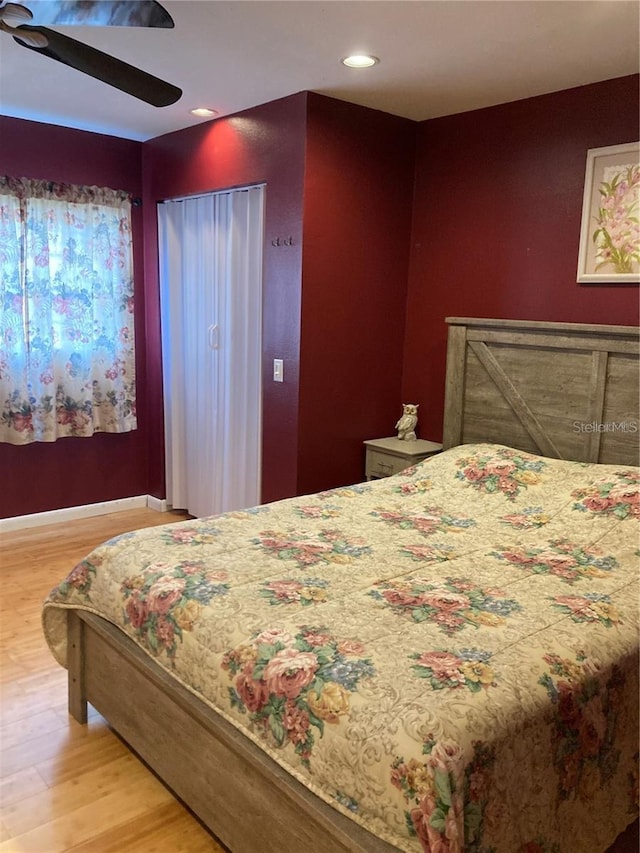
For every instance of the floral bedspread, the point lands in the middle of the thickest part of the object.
(449, 656)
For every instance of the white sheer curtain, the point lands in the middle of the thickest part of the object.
(211, 287)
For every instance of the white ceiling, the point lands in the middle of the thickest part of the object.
(437, 57)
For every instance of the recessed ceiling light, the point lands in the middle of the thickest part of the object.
(360, 60)
(204, 112)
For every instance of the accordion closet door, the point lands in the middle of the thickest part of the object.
(211, 308)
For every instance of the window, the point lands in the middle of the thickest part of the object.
(67, 363)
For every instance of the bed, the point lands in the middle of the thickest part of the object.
(443, 660)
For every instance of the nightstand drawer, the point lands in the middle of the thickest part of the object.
(387, 456)
(383, 464)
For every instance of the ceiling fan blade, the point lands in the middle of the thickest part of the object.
(103, 67)
(31, 39)
(99, 13)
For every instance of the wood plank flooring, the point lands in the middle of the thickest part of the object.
(66, 787)
(63, 786)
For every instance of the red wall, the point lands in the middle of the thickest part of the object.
(357, 310)
(261, 144)
(357, 218)
(75, 471)
(498, 203)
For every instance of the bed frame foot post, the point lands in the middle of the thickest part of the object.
(75, 663)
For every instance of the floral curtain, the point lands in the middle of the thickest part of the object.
(66, 311)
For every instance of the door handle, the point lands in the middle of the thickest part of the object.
(214, 337)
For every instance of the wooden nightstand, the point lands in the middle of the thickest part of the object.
(387, 456)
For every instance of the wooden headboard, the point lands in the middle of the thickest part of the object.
(565, 390)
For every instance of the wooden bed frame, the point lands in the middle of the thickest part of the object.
(529, 385)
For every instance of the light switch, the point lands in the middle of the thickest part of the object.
(278, 370)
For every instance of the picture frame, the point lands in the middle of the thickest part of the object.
(609, 250)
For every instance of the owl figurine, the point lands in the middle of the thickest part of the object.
(406, 426)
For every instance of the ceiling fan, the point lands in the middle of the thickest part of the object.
(27, 24)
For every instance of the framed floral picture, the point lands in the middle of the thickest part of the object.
(610, 232)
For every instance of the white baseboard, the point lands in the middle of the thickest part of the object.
(157, 504)
(37, 519)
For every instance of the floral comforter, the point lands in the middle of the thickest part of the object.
(448, 656)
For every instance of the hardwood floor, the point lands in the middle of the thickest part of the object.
(63, 786)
